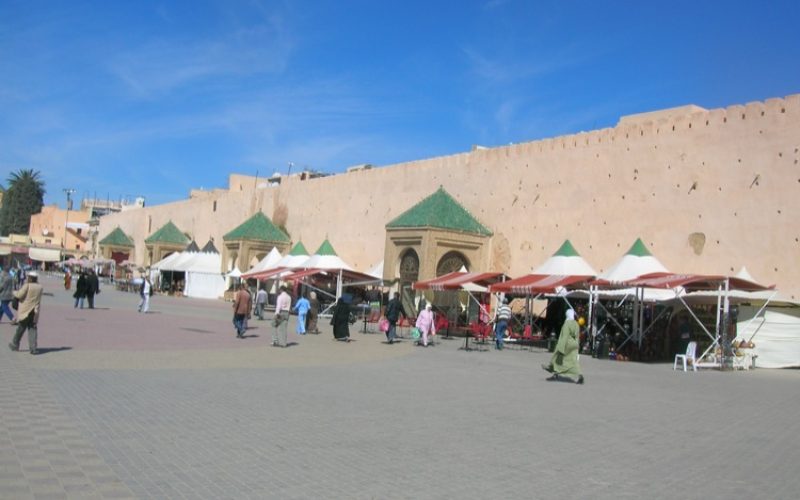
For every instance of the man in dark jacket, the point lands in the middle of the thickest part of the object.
(394, 308)
(92, 287)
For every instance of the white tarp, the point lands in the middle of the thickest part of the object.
(776, 334)
(45, 254)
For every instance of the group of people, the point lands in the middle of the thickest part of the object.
(87, 286)
(307, 310)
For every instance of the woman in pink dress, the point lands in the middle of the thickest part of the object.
(425, 324)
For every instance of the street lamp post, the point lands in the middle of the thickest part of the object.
(68, 192)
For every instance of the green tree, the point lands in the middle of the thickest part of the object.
(23, 198)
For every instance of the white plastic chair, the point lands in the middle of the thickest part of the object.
(691, 351)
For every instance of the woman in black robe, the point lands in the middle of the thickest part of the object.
(80, 290)
(341, 320)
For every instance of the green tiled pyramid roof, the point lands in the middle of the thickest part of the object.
(567, 250)
(298, 249)
(168, 233)
(117, 238)
(638, 249)
(442, 211)
(257, 227)
(326, 248)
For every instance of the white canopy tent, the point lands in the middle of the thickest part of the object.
(268, 262)
(202, 276)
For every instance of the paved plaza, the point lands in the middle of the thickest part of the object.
(171, 405)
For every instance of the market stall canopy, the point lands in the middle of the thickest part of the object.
(348, 274)
(325, 258)
(199, 262)
(690, 282)
(461, 280)
(268, 262)
(167, 261)
(45, 254)
(637, 262)
(565, 262)
(377, 271)
(235, 273)
(533, 284)
(295, 258)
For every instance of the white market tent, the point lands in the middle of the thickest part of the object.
(294, 259)
(566, 262)
(325, 261)
(268, 262)
(775, 331)
(377, 270)
(203, 278)
(325, 258)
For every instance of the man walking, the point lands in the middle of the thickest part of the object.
(6, 295)
(502, 317)
(281, 318)
(145, 292)
(394, 308)
(242, 304)
(30, 299)
(261, 303)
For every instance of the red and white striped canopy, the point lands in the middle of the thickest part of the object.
(539, 283)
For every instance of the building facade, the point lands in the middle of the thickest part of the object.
(708, 191)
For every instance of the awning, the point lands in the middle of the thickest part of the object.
(4, 250)
(690, 282)
(538, 283)
(265, 275)
(459, 280)
(45, 254)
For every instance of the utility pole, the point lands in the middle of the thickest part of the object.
(68, 192)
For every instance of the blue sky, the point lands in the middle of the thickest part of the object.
(118, 98)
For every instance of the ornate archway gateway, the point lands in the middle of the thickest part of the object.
(434, 237)
(409, 267)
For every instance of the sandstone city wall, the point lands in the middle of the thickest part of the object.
(707, 191)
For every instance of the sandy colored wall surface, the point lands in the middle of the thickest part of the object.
(707, 191)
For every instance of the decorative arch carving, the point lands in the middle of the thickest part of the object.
(450, 262)
(409, 266)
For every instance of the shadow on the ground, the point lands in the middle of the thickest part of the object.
(250, 336)
(48, 350)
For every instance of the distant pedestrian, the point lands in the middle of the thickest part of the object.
(280, 320)
(80, 289)
(394, 308)
(301, 306)
(67, 279)
(30, 299)
(564, 363)
(425, 323)
(261, 303)
(501, 319)
(313, 314)
(92, 287)
(341, 320)
(6, 295)
(242, 304)
(145, 292)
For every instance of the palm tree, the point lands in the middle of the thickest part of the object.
(23, 198)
